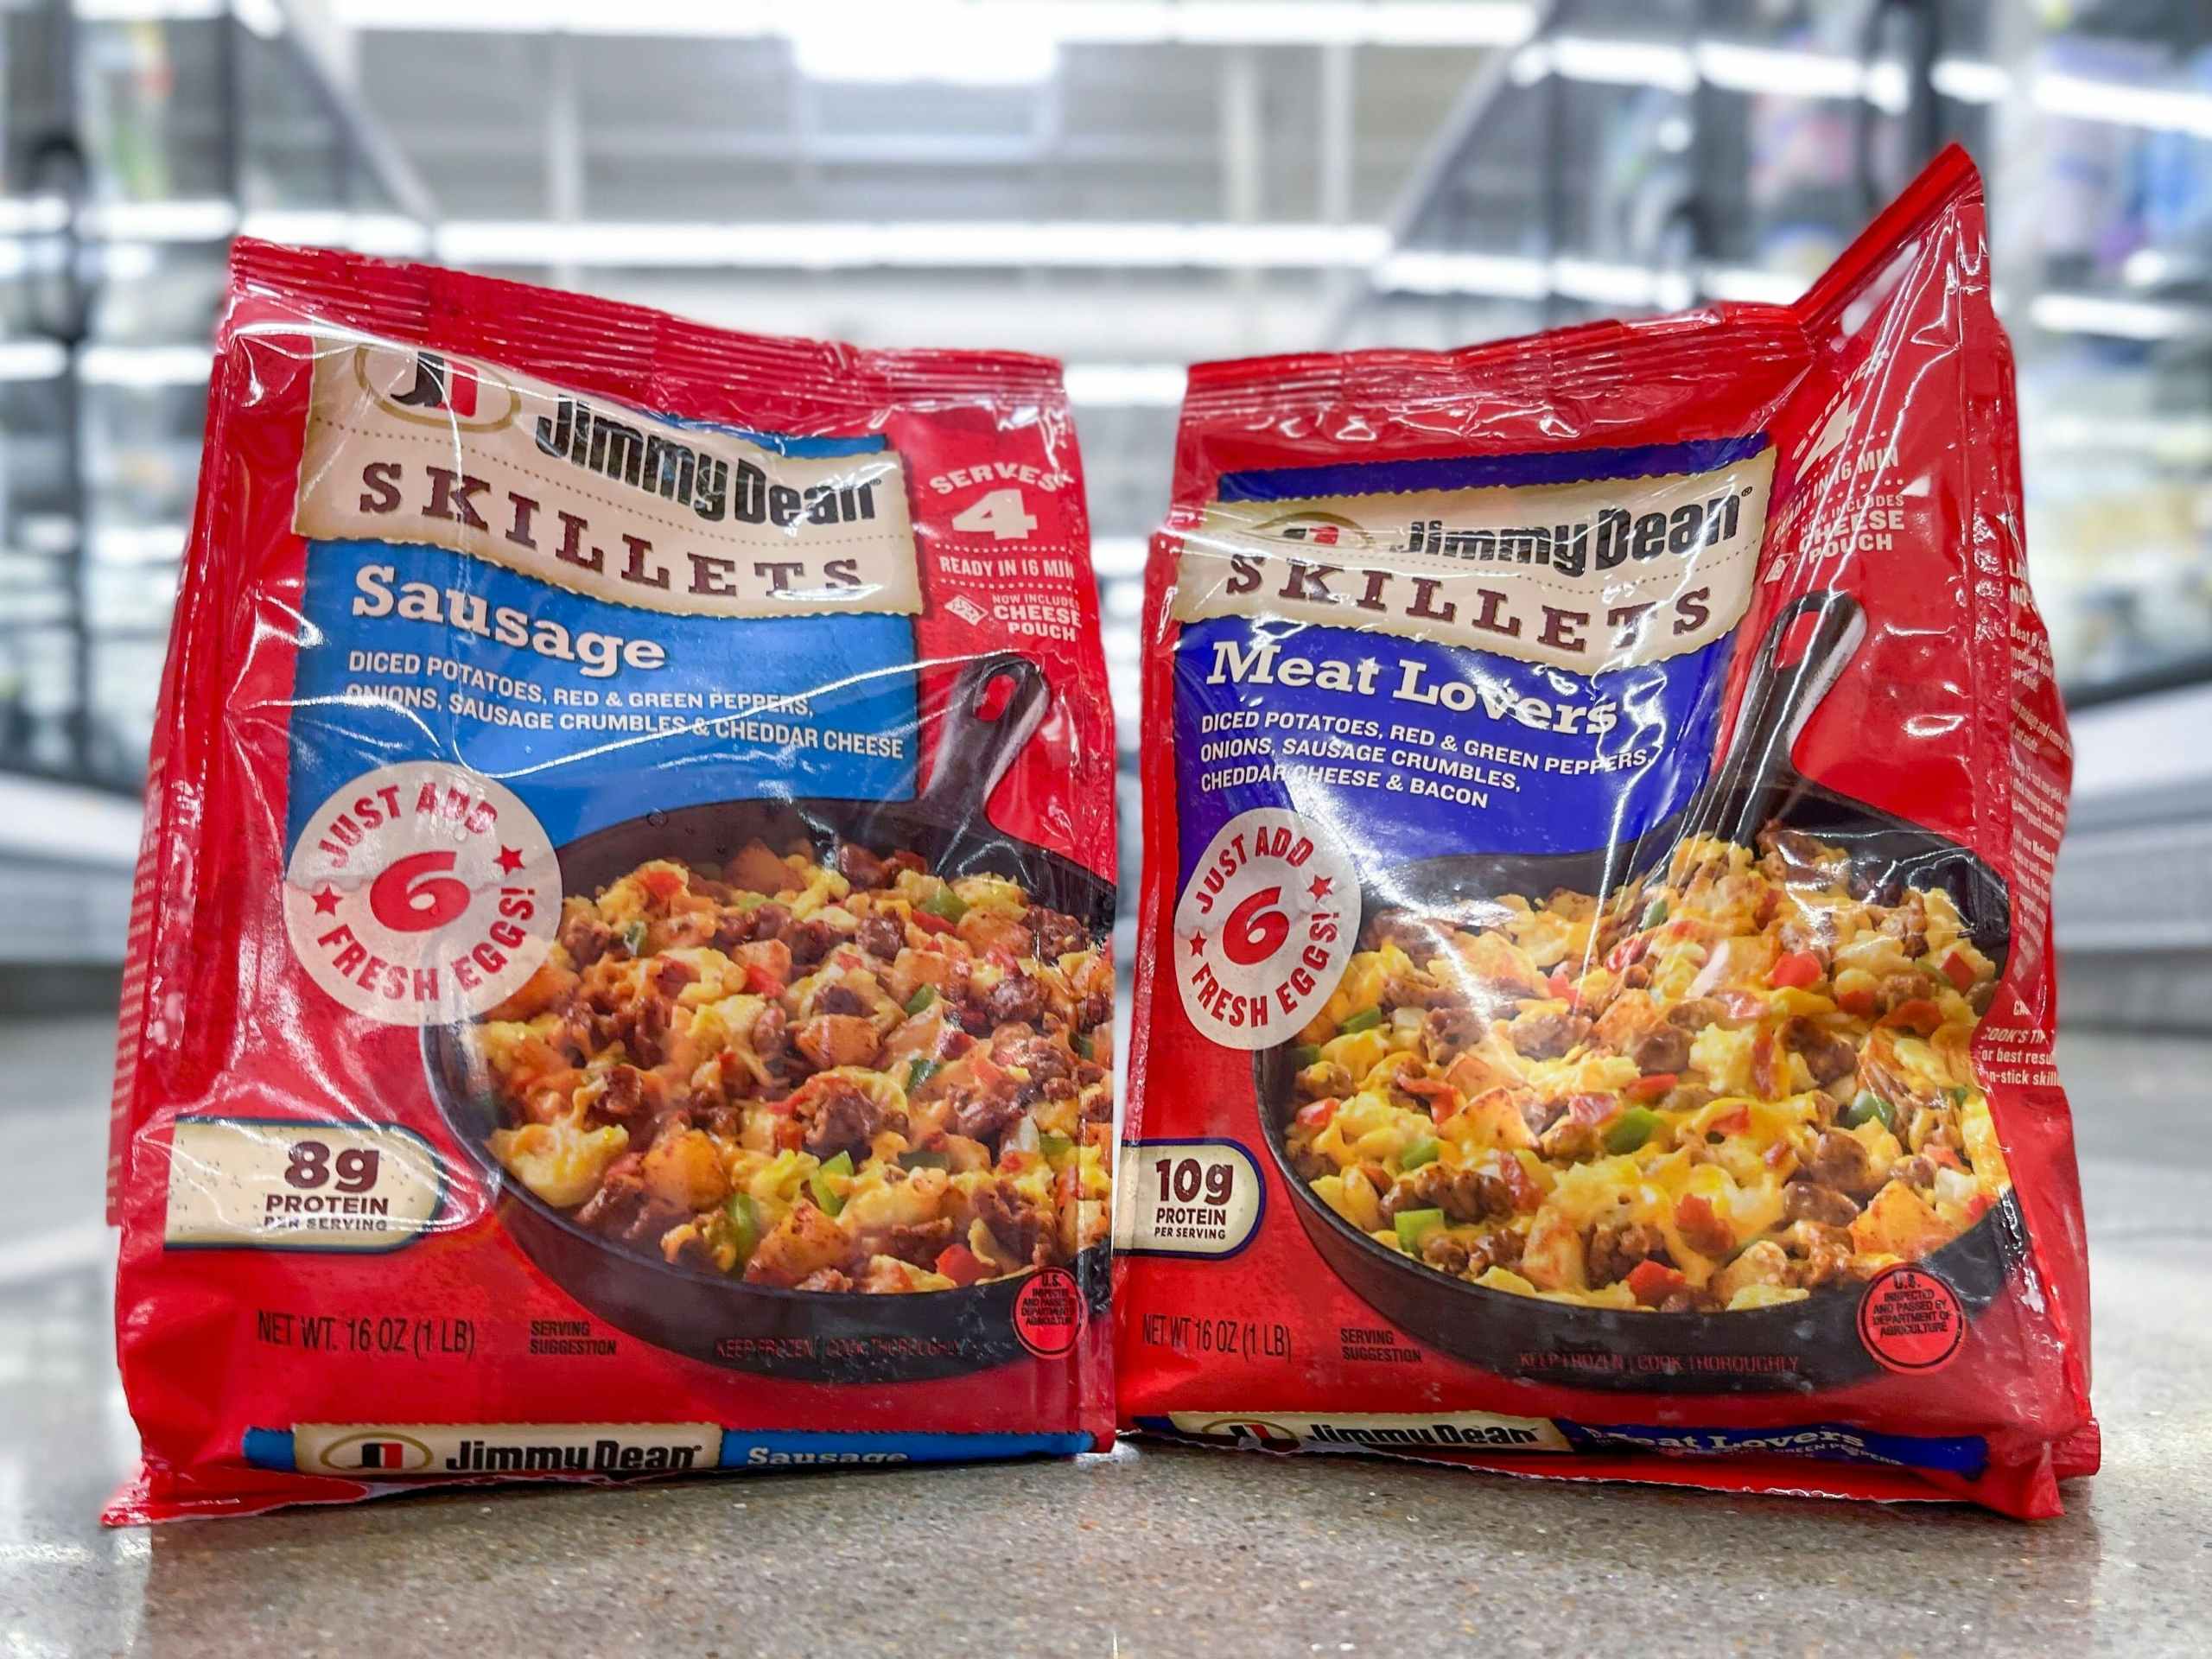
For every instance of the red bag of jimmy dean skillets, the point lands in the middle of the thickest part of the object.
(1594, 1014)
(618, 978)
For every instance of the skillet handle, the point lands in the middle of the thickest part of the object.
(974, 753)
(1778, 700)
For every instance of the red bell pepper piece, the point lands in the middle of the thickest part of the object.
(1734, 1123)
(1919, 1014)
(1652, 1282)
(1701, 1225)
(1795, 971)
(961, 1265)
(1315, 1115)
(1527, 1195)
(1589, 1109)
(663, 885)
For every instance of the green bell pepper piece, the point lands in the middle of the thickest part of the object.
(1054, 1146)
(921, 1000)
(1654, 912)
(1366, 1020)
(1304, 1054)
(1423, 1151)
(946, 903)
(1631, 1129)
(633, 938)
(744, 1225)
(827, 1198)
(1867, 1104)
(920, 1072)
(1414, 1225)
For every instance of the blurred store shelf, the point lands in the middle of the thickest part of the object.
(65, 857)
(2132, 905)
(1131, 184)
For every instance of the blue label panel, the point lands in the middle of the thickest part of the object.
(749, 1448)
(1963, 1454)
(1488, 471)
(1408, 749)
(591, 712)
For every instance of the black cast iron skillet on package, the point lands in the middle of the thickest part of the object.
(813, 1336)
(1754, 784)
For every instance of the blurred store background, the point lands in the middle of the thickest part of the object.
(1131, 184)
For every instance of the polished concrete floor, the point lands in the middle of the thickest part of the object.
(1153, 1551)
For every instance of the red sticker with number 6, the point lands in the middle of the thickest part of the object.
(421, 892)
(1264, 928)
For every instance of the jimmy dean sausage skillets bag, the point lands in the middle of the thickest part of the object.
(618, 979)
(1595, 1002)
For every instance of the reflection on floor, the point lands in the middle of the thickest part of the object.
(1138, 1535)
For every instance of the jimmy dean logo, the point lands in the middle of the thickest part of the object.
(1610, 540)
(383, 1451)
(409, 446)
(1584, 576)
(601, 1457)
(1460, 1431)
(713, 488)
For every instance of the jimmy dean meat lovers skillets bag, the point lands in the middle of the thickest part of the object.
(619, 981)
(1600, 791)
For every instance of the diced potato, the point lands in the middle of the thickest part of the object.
(1555, 1259)
(685, 1171)
(1899, 1222)
(552, 982)
(806, 1241)
(762, 871)
(1496, 963)
(1763, 1264)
